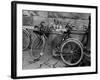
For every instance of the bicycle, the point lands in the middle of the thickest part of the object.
(69, 49)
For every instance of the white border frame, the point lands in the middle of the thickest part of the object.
(36, 72)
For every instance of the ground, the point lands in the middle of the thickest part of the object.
(45, 61)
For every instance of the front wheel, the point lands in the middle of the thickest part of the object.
(71, 51)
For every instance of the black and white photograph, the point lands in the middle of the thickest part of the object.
(53, 39)
(56, 39)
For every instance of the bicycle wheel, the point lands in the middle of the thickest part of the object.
(71, 51)
(37, 46)
(26, 39)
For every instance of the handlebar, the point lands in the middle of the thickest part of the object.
(55, 32)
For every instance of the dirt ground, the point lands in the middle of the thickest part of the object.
(45, 61)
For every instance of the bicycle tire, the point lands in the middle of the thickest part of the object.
(71, 53)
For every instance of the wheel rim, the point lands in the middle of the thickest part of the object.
(72, 52)
(26, 39)
(37, 46)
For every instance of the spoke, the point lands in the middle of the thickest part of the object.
(72, 45)
(76, 56)
(67, 56)
(69, 47)
(74, 60)
(25, 40)
(64, 54)
(77, 47)
(77, 51)
(65, 49)
(71, 58)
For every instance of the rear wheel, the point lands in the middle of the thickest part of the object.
(71, 51)
(26, 39)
